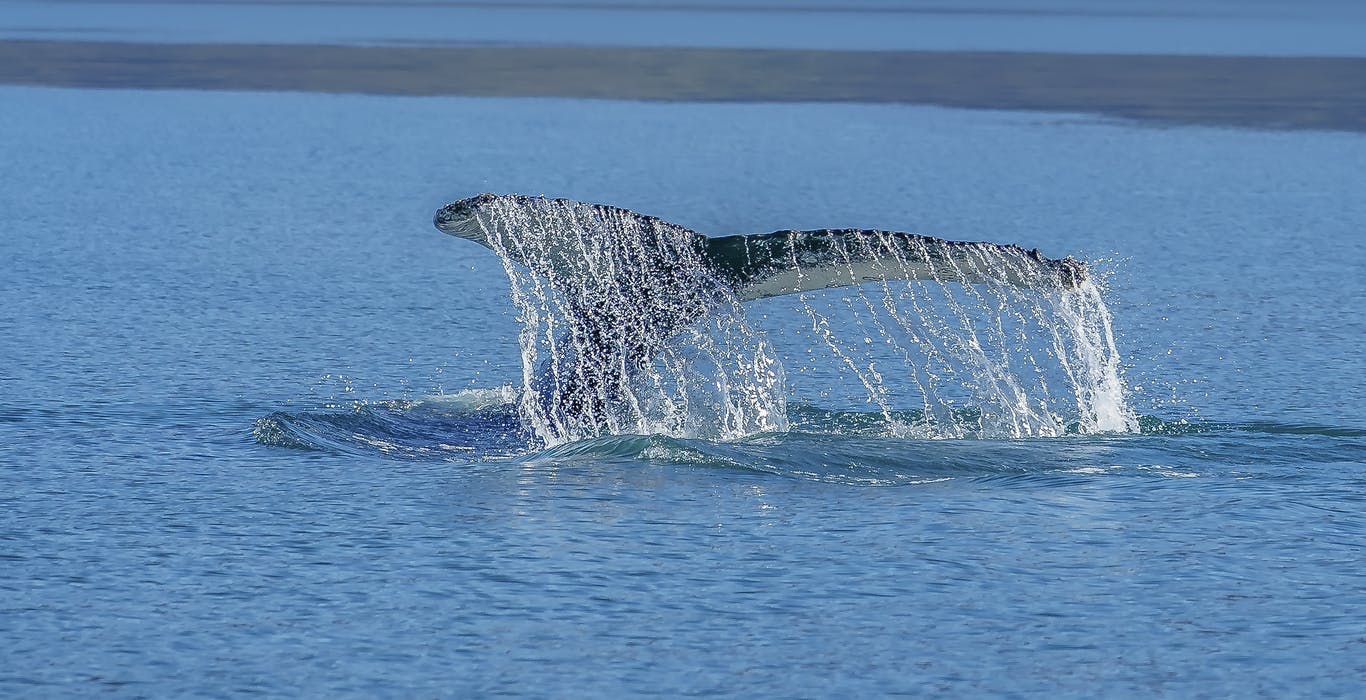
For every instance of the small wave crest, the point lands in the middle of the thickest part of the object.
(468, 425)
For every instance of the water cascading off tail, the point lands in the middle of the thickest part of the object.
(941, 358)
(632, 324)
(626, 329)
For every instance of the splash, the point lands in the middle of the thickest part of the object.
(632, 325)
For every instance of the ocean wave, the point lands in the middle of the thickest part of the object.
(472, 424)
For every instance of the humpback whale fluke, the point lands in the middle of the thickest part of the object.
(755, 266)
(613, 303)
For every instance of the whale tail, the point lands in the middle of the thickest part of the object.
(632, 324)
(755, 266)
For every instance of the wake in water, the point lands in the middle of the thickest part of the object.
(634, 325)
(862, 448)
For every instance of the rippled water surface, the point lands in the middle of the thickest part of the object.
(256, 432)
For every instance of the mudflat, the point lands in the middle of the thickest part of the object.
(1246, 91)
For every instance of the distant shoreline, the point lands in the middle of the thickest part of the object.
(1256, 92)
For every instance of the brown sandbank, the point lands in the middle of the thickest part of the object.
(1263, 92)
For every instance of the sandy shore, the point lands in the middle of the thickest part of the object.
(1263, 92)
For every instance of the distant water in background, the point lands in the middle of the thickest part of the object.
(178, 266)
(1221, 27)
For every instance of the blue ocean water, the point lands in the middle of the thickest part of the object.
(179, 266)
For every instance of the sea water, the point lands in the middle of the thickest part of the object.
(254, 434)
